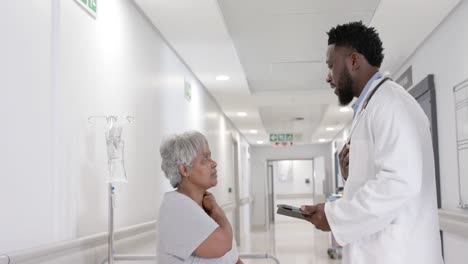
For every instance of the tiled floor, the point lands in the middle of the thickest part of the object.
(292, 243)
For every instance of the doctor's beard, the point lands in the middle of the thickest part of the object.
(344, 88)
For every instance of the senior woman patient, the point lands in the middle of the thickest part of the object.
(192, 228)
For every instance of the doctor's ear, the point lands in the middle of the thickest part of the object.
(183, 170)
(355, 60)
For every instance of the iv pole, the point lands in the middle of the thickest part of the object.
(110, 238)
(111, 193)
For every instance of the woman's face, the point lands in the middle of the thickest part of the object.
(203, 171)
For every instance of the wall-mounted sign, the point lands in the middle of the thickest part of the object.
(187, 91)
(281, 139)
(406, 78)
(89, 5)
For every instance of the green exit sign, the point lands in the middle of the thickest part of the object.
(89, 5)
(281, 139)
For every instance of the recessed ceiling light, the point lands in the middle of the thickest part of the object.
(344, 109)
(259, 142)
(241, 113)
(322, 140)
(253, 131)
(222, 78)
(330, 128)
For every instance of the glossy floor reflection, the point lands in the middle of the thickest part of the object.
(291, 242)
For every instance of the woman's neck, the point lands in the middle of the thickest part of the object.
(193, 192)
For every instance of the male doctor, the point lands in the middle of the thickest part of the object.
(388, 213)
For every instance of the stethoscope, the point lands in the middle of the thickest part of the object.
(361, 112)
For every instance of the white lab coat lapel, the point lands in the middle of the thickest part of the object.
(360, 146)
(359, 113)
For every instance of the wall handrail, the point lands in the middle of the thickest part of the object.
(454, 222)
(153, 257)
(130, 257)
(259, 256)
(74, 245)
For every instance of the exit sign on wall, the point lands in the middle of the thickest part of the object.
(89, 5)
(281, 139)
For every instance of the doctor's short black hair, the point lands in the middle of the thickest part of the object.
(364, 40)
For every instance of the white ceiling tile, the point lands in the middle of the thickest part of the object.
(287, 77)
(303, 72)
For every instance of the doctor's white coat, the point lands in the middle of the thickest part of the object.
(389, 211)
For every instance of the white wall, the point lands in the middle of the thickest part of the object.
(444, 54)
(59, 66)
(26, 192)
(258, 161)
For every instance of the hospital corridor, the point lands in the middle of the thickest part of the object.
(234, 132)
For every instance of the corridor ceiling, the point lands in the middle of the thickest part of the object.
(274, 53)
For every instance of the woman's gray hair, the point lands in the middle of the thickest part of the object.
(180, 149)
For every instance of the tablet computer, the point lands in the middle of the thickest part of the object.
(292, 211)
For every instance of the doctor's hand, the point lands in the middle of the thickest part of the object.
(318, 217)
(344, 160)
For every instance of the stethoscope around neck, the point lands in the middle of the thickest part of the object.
(364, 106)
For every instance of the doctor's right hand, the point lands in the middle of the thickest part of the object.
(344, 161)
(316, 216)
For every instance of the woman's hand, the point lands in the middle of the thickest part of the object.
(209, 203)
(220, 241)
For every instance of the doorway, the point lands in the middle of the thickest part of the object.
(290, 182)
(237, 220)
